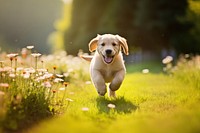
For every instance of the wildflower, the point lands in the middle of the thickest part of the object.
(187, 55)
(47, 75)
(47, 84)
(145, 71)
(5, 69)
(65, 84)
(71, 93)
(56, 80)
(167, 60)
(42, 70)
(54, 67)
(2, 93)
(66, 74)
(54, 91)
(12, 75)
(111, 106)
(43, 66)
(12, 56)
(70, 70)
(29, 47)
(69, 100)
(40, 78)
(29, 70)
(20, 68)
(4, 85)
(59, 75)
(85, 109)
(88, 82)
(52, 77)
(26, 75)
(62, 89)
(36, 55)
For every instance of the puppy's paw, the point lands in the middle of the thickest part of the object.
(101, 93)
(111, 94)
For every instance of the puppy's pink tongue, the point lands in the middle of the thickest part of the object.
(108, 59)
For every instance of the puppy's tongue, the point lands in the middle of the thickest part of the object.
(108, 59)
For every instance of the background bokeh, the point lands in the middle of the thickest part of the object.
(27, 22)
(160, 26)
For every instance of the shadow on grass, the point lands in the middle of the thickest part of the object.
(121, 105)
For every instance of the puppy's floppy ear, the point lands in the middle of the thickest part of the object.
(123, 43)
(93, 43)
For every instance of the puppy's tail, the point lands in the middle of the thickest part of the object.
(87, 57)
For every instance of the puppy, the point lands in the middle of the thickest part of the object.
(107, 65)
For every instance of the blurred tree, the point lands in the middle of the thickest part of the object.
(158, 25)
(150, 25)
(56, 38)
(90, 18)
(118, 19)
(193, 40)
(28, 22)
(86, 16)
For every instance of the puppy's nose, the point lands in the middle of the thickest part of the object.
(108, 51)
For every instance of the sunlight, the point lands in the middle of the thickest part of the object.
(67, 1)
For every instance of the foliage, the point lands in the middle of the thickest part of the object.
(145, 24)
(88, 20)
(159, 26)
(56, 38)
(155, 103)
(193, 14)
(72, 68)
(33, 86)
(187, 70)
(158, 102)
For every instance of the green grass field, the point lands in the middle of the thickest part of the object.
(146, 103)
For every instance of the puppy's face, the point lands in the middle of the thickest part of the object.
(108, 46)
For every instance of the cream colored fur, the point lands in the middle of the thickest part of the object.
(107, 65)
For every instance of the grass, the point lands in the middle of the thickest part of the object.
(31, 91)
(148, 100)
(150, 103)
(153, 66)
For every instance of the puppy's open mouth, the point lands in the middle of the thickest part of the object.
(108, 59)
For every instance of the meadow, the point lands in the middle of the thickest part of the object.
(155, 97)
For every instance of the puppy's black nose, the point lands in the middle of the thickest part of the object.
(108, 51)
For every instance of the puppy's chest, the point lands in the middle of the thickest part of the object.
(108, 74)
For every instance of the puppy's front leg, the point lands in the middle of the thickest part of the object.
(99, 82)
(116, 82)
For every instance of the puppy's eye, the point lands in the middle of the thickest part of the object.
(114, 44)
(103, 44)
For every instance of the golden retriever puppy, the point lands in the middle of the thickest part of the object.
(107, 65)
